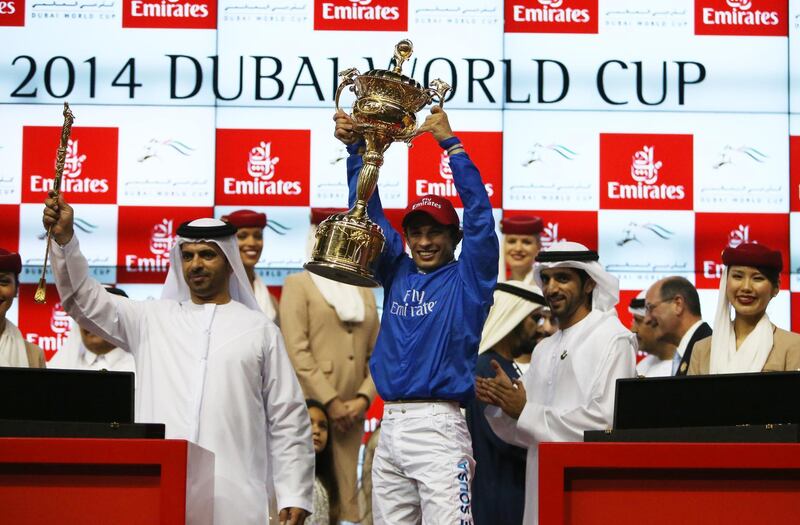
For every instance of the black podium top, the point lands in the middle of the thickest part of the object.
(66, 395)
(707, 401)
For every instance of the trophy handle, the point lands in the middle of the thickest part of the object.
(436, 93)
(438, 89)
(348, 77)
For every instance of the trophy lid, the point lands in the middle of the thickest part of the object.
(402, 52)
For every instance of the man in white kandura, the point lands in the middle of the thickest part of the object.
(210, 365)
(570, 385)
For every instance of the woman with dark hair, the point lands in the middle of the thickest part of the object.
(326, 491)
(750, 342)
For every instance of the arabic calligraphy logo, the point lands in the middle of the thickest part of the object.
(60, 322)
(634, 231)
(739, 236)
(162, 240)
(73, 162)
(445, 171)
(260, 163)
(729, 154)
(538, 151)
(744, 5)
(644, 168)
(549, 235)
(553, 4)
(361, 2)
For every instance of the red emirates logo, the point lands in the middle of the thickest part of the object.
(794, 172)
(716, 231)
(12, 13)
(551, 16)
(639, 171)
(741, 17)
(429, 170)
(90, 166)
(361, 15)
(575, 226)
(149, 235)
(170, 14)
(46, 325)
(263, 167)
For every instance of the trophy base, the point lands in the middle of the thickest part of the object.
(341, 274)
(346, 249)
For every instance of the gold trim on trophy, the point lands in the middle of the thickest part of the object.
(348, 244)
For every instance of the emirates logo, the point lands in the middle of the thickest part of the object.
(60, 322)
(549, 235)
(740, 4)
(260, 163)
(644, 167)
(361, 15)
(162, 240)
(444, 166)
(739, 236)
(73, 162)
(741, 17)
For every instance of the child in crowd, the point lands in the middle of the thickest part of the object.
(326, 499)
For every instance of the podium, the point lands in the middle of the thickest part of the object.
(669, 483)
(120, 481)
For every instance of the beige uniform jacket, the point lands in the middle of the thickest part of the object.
(785, 354)
(331, 359)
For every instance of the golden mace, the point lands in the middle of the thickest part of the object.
(69, 118)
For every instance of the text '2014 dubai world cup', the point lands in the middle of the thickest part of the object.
(348, 244)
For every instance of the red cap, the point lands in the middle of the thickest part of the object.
(521, 225)
(752, 254)
(439, 208)
(246, 219)
(10, 262)
(320, 214)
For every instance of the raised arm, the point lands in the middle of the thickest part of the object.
(393, 251)
(111, 317)
(479, 248)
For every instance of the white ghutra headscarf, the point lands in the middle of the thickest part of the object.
(223, 235)
(567, 254)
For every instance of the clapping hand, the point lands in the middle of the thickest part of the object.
(502, 391)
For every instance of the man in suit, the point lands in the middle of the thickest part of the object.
(672, 309)
(330, 330)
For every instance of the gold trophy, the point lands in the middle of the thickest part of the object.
(348, 244)
(40, 296)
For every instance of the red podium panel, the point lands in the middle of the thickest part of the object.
(669, 483)
(114, 481)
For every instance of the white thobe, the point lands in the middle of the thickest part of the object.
(217, 375)
(652, 366)
(570, 388)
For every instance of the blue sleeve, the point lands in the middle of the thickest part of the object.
(393, 253)
(480, 249)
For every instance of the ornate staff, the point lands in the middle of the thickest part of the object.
(41, 289)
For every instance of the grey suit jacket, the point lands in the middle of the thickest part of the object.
(784, 356)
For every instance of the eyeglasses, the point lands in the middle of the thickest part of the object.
(649, 307)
